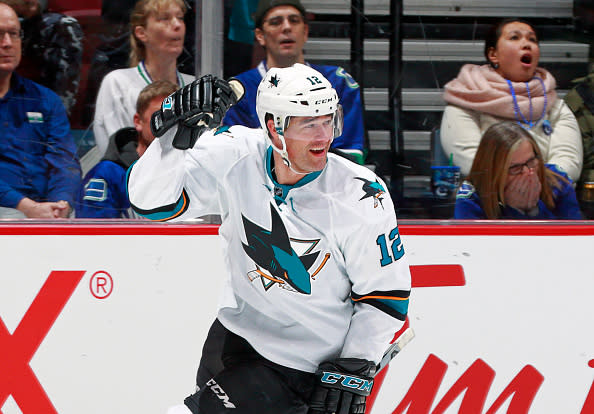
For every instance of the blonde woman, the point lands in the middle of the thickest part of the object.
(157, 31)
(509, 180)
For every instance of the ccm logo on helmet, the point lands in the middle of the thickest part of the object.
(347, 381)
(323, 101)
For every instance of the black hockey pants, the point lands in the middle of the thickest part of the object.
(234, 378)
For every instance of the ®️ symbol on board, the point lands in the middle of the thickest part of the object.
(16, 350)
(101, 285)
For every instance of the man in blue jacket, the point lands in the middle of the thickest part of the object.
(282, 29)
(39, 169)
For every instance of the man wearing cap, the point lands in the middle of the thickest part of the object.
(282, 29)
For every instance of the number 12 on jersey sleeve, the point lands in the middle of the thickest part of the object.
(396, 248)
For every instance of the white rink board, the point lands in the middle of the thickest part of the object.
(137, 350)
(526, 302)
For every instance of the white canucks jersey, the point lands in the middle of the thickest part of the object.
(316, 270)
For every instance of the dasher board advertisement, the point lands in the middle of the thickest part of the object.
(111, 319)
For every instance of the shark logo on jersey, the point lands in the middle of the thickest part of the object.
(276, 258)
(372, 189)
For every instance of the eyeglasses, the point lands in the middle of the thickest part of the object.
(518, 168)
(13, 34)
(277, 21)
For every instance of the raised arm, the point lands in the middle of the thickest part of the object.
(161, 181)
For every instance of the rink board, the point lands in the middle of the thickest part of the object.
(111, 318)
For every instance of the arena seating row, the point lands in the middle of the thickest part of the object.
(438, 38)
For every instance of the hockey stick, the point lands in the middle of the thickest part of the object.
(395, 348)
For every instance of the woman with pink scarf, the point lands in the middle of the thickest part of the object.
(511, 87)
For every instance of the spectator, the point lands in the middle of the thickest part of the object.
(580, 100)
(282, 29)
(103, 193)
(39, 170)
(52, 49)
(112, 52)
(186, 61)
(510, 87)
(508, 180)
(157, 40)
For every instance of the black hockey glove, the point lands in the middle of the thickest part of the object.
(342, 386)
(196, 107)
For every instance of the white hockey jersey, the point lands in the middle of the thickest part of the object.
(316, 270)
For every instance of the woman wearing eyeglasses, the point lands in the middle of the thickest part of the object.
(157, 40)
(508, 180)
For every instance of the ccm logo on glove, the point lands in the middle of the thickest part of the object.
(355, 383)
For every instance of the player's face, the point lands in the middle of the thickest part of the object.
(164, 33)
(10, 45)
(308, 140)
(517, 52)
(142, 123)
(283, 35)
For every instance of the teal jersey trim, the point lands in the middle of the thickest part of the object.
(163, 213)
(286, 188)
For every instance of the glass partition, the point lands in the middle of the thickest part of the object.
(437, 41)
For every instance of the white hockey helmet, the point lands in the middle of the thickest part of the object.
(297, 90)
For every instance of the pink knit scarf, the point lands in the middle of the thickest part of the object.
(481, 89)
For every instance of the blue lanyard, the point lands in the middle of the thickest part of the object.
(523, 120)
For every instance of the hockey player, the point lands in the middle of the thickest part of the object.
(317, 279)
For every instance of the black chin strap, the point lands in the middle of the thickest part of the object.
(272, 169)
